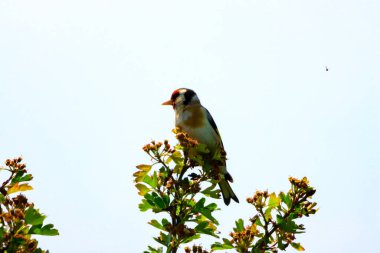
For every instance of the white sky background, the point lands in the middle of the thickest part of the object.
(81, 83)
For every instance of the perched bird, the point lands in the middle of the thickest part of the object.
(192, 118)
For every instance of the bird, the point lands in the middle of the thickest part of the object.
(195, 120)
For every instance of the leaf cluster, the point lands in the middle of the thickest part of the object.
(170, 190)
(19, 219)
(175, 185)
(274, 226)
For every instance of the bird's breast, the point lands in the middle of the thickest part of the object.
(193, 117)
(194, 122)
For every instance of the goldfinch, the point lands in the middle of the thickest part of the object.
(194, 119)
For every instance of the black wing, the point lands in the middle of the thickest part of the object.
(213, 124)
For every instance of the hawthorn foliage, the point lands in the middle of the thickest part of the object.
(180, 182)
(20, 220)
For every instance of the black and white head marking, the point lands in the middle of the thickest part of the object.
(188, 94)
(183, 96)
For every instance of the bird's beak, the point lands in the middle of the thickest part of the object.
(169, 102)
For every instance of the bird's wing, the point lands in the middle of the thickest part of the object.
(213, 124)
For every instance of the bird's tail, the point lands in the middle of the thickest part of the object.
(226, 190)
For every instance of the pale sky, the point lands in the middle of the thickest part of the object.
(81, 87)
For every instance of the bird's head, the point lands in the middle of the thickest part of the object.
(182, 97)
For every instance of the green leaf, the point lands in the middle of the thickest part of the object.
(33, 216)
(258, 222)
(209, 192)
(280, 244)
(220, 246)
(256, 250)
(268, 213)
(2, 231)
(168, 160)
(144, 205)
(143, 170)
(177, 169)
(158, 200)
(212, 206)
(19, 188)
(177, 157)
(19, 177)
(274, 201)
(201, 226)
(279, 219)
(150, 199)
(164, 222)
(200, 204)
(156, 224)
(153, 250)
(288, 226)
(215, 194)
(144, 167)
(43, 230)
(163, 239)
(206, 211)
(191, 238)
(139, 176)
(239, 225)
(205, 226)
(297, 246)
(286, 199)
(227, 242)
(151, 180)
(208, 189)
(143, 189)
(163, 173)
(166, 199)
(2, 197)
(208, 215)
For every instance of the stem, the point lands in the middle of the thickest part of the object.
(173, 247)
(176, 220)
(2, 188)
(275, 225)
(1, 216)
(4, 192)
(266, 223)
(184, 168)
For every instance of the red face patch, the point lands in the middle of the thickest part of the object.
(175, 94)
